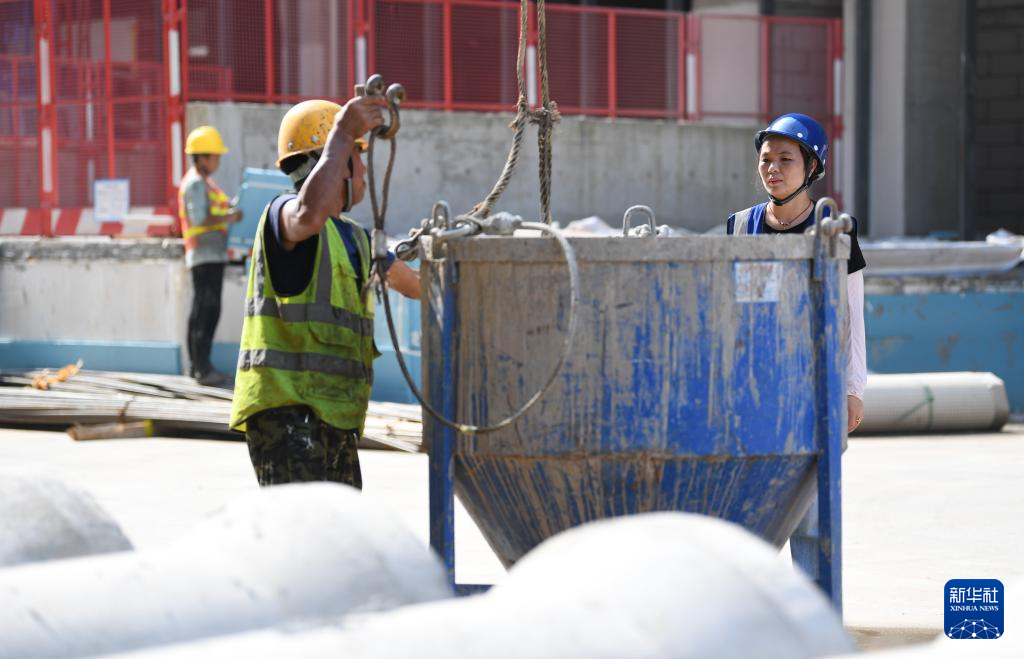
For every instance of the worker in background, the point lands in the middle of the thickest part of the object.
(305, 367)
(792, 153)
(204, 213)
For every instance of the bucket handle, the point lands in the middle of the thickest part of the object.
(650, 229)
(830, 227)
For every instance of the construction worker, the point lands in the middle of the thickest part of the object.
(792, 154)
(204, 213)
(305, 367)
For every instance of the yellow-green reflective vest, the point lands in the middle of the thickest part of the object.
(315, 348)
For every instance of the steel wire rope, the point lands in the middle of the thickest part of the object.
(545, 118)
(484, 207)
(570, 335)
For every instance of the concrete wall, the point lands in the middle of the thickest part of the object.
(825, 8)
(822, 8)
(933, 99)
(846, 159)
(91, 298)
(888, 118)
(123, 305)
(999, 115)
(691, 175)
(916, 114)
(725, 6)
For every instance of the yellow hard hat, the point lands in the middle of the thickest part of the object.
(305, 126)
(203, 140)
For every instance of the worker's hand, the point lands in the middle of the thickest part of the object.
(234, 215)
(854, 413)
(404, 279)
(361, 115)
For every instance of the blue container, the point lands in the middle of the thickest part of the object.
(934, 323)
(388, 382)
(706, 376)
(259, 186)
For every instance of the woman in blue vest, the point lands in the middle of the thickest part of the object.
(791, 155)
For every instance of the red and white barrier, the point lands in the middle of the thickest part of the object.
(143, 220)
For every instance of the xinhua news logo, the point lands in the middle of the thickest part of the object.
(974, 608)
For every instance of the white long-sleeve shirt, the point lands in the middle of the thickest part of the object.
(857, 366)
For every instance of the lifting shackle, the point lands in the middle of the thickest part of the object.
(395, 95)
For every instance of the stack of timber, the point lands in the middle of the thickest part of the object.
(101, 404)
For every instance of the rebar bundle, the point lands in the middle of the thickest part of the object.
(173, 404)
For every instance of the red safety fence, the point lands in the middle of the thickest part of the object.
(117, 73)
(269, 51)
(19, 128)
(83, 97)
(461, 55)
(110, 98)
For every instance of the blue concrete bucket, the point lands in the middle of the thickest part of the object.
(706, 376)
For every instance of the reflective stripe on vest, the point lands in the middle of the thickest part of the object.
(297, 313)
(750, 221)
(299, 361)
(740, 222)
(192, 232)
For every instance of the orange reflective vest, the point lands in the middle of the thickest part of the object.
(220, 206)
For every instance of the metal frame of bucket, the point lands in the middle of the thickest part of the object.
(829, 398)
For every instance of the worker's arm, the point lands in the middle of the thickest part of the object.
(323, 193)
(856, 368)
(197, 205)
(404, 279)
(234, 215)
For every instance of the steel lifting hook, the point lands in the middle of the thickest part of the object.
(395, 95)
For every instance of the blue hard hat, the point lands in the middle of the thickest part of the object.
(804, 130)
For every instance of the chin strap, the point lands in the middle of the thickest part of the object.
(348, 192)
(807, 183)
(786, 200)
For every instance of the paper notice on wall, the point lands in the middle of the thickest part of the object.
(111, 198)
(757, 281)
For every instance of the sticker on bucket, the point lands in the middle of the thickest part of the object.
(974, 608)
(757, 281)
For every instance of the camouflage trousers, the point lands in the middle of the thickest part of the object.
(292, 445)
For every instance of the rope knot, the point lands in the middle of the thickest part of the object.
(546, 116)
(522, 113)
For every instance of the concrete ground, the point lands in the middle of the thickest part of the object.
(918, 511)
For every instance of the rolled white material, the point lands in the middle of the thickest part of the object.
(998, 253)
(275, 554)
(934, 402)
(42, 519)
(654, 585)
